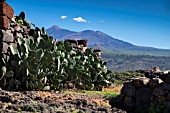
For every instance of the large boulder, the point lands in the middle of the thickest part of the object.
(154, 82)
(4, 22)
(6, 10)
(166, 86)
(143, 95)
(7, 36)
(166, 78)
(142, 100)
(158, 91)
(167, 104)
(159, 100)
(128, 89)
(5, 47)
(168, 97)
(129, 103)
(140, 82)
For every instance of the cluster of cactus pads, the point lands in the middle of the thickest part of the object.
(40, 63)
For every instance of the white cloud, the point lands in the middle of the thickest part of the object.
(79, 19)
(101, 21)
(63, 17)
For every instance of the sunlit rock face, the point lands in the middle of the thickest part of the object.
(6, 12)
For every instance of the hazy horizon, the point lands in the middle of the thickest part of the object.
(140, 22)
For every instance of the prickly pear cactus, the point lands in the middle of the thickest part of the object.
(39, 63)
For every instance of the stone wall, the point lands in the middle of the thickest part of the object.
(6, 12)
(145, 95)
(9, 36)
(10, 30)
(6, 37)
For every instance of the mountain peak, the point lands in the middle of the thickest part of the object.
(94, 37)
(88, 31)
(55, 27)
(58, 32)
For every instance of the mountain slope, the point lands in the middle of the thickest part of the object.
(93, 37)
(58, 32)
(97, 39)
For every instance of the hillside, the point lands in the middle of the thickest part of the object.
(98, 39)
(123, 62)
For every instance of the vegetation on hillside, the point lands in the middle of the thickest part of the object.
(126, 62)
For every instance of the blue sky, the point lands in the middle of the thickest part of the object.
(140, 22)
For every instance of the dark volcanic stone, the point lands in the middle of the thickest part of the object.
(154, 82)
(5, 99)
(129, 103)
(116, 110)
(103, 109)
(166, 78)
(168, 97)
(158, 91)
(141, 108)
(166, 86)
(60, 112)
(167, 104)
(140, 82)
(143, 95)
(38, 98)
(94, 111)
(128, 89)
(159, 100)
(79, 102)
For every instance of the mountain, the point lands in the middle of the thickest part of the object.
(58, 32)
(98, 39)
(93, 37)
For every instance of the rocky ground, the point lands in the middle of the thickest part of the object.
(51, 102)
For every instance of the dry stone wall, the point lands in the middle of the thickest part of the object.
(6, 12)
(146, 95)
(10, 30)
(8, 36)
